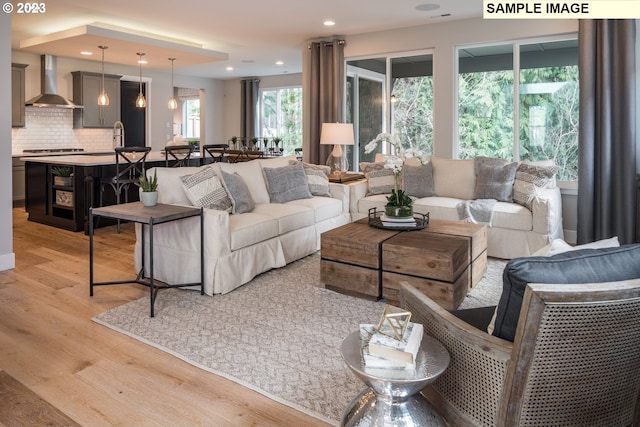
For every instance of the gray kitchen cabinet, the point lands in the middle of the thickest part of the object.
(86, 89)
(17, 94)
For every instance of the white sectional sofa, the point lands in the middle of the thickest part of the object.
(515, 230)
(237, 247)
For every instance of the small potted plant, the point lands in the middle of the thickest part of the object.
(234, 142)
(276, 142)
(62, 175)
(254, 142)
(149, 187)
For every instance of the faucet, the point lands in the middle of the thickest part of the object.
(118, 134)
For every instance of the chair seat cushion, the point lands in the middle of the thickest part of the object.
(574, 267)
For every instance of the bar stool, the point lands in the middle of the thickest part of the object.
(180, 153)
(129, 166)
(215, 151)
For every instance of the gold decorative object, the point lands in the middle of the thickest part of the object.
(394, 322)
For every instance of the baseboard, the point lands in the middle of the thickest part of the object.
(570, 236)
(7, 261)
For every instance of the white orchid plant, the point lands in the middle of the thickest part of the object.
(394, 162)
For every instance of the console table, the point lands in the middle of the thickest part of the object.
(147, 217)
(393, 396)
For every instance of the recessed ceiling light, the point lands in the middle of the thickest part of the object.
(229, 68)
(427, 6)
(329, 23)
(84, 52)
(279, 63)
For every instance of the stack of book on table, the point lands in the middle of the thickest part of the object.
(388, 221)
(383, 351)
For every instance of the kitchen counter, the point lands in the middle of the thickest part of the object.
(67, 206)
(97, 159)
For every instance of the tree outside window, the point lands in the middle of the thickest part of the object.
(547, 112)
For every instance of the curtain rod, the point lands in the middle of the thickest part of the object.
(340, 42)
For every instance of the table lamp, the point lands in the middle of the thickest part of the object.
(338, 134)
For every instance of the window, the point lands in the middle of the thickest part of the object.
(281, 116)
(394, 93)
(543, 77)
(191, 118)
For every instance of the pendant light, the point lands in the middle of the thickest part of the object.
(173, 104)
(103, 98)
(140, 101)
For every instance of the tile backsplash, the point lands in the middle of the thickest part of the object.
(53, 128)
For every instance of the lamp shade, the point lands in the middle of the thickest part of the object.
(337, 133)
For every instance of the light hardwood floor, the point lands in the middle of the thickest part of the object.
(94, 375)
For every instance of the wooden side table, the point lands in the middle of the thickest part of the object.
(148, 217)
(393, 395)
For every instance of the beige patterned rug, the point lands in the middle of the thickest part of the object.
(280, 334)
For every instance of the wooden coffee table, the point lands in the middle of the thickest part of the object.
(443, 261)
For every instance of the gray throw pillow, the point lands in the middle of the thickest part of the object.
(317, 178)
(238, 191)
(204, 189)
(287, 183)
(417, 181)
(494, 179)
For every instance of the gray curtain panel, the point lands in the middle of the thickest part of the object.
(249, 103)
(326, 89)
(607, 139)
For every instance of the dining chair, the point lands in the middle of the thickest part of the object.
(178, 154)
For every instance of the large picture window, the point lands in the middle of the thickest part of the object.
(543, 77)
(281, 116)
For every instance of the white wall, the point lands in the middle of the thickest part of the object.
(7, 256)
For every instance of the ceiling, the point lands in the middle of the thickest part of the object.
(207, 38)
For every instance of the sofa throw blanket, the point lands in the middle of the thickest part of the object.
(479, 211)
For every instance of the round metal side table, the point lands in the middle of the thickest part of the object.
(393, 397)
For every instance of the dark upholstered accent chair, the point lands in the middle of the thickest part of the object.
(575, 355)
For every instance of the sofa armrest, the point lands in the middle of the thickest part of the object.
(357, 190)
(547, 212)
(340, 192)
(471, 387)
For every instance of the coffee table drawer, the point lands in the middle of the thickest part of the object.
(447, 295)
(431, 256)
(350, 279)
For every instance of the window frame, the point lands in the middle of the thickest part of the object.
(260, 111)
(516, 46)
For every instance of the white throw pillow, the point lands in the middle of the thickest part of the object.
(559, 246)
(204, 189)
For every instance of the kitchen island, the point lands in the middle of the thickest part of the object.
(66, 205)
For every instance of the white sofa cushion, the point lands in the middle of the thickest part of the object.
(250, 228)
(323, 207)
(454, 178)
(290, 217)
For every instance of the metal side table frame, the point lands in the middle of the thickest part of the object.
(393, 395)
(147, 216)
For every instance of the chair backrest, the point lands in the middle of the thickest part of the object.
(130, 162)
(215, 151)
(576, 356)
(180, 153)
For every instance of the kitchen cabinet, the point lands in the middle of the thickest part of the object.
(86, 89)
(17, 94)
(17, 169)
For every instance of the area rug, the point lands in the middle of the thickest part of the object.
(279, 335)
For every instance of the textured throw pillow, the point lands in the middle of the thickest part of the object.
(530, 179)
(204, 189)
(241, 200)
(379, 179)
(287, 183)
(417, 181)
(494, 179)
(317, 178)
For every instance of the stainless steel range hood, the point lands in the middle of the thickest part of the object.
(48, 85)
